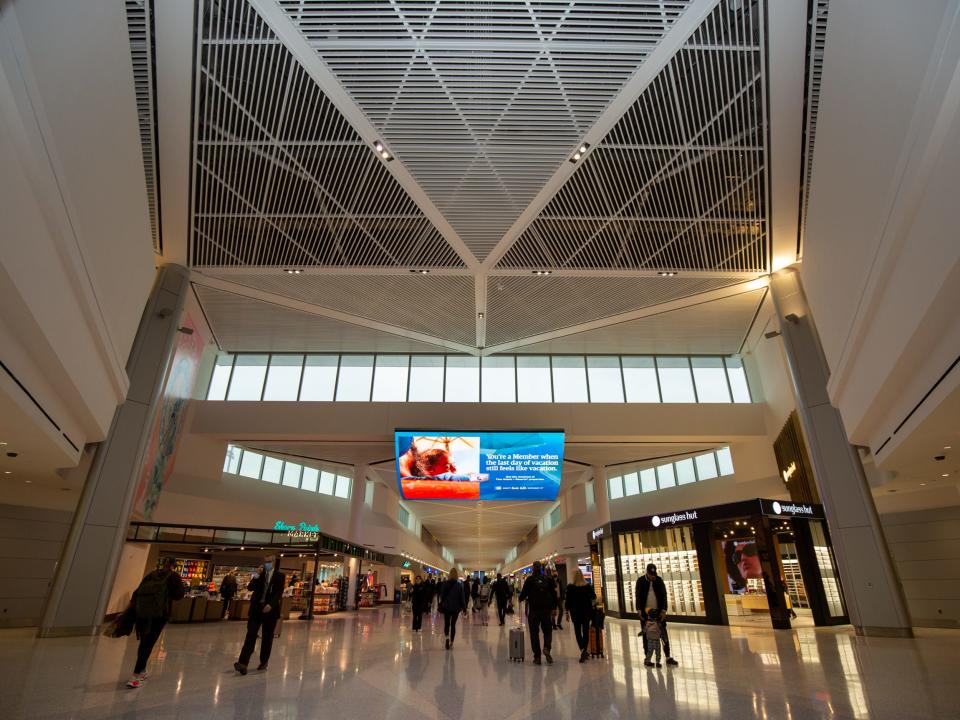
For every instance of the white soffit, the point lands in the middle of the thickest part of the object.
(679, 183)
(244, 324)
(441, 306)
(523, 306)
(483, 102)
(712, 328)
(280, 176)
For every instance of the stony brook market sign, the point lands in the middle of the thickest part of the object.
(303, 531)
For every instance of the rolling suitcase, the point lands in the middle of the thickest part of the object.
(595, 642)
(516, 644)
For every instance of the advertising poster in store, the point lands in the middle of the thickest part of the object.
(165, 430)
(743, 563)
(479, 465)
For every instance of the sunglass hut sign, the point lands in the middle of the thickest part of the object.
(674, 519)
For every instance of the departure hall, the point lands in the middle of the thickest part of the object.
(495, 359)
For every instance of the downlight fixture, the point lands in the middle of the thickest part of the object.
(666, 273)
(420, 271)
(293, 271)
(579, 152)
(382, 151)
(541, 272)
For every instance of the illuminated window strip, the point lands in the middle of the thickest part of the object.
(259, 466)
(647, 379)
(632, 483)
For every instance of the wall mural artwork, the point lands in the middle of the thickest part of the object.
(165, 429)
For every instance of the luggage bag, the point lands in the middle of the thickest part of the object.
(595, 642)
(516, 644)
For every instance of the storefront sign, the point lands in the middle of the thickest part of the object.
(281, 526)
(789, 472)
(791, 509)
(598, 533)
(674, 519)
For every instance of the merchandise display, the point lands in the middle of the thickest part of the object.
(675, 555)
(791, 575)
(193, 571)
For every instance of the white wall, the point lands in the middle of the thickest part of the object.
(30, 543)
(881, 264)
(76, 263)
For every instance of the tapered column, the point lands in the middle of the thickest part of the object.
(85, 574)
(871, 587)
(600, 497)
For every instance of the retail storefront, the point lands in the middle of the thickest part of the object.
(313, 563)
(756, 562)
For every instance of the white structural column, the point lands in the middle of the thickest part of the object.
(85, 574)
(871, 587)
(351, 566)
(600, 496)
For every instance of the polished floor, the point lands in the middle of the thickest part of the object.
(370, 665)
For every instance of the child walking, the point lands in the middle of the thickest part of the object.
(653, 637)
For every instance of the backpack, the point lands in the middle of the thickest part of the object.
(153, 596)
(484, 593)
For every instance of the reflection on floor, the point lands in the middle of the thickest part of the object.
(370, 665)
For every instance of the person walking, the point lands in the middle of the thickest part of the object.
(541, 598)
(484, 599)
(419, 602)
(580, 601)
(475, 594)
(152, 601)
(266, 591)
(651, 594)
(228, 588)
(502, 593)
(453, 601)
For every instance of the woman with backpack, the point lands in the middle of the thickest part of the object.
(453, 601)
(152, 601)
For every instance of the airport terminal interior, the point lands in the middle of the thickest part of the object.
(453, 359)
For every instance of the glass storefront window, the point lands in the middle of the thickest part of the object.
(426, 378)
(828, 570)
(676, 383)
(319, 378)
(674, 553)
(711, 380)
(533, 379)
(603, 374)
(246, 383)
(353, 381)
(283, 377)
(569, 379)
(463, 379)
(390, 378)
(220, 378)
(738, 380)
(498, 382)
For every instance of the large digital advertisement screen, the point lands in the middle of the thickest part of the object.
(479, 465)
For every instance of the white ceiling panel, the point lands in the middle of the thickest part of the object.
(242, 323)
(712, 328)
(437, 305)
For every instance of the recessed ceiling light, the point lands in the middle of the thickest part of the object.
(542, 272)
(666, 273)
(945, 475)
(945, 447)
(2, 444)
(580, 152)
(923, 484)
(379, 146)
(7, 472)
(480, 315)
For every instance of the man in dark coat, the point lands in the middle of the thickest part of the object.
(501, 591)
(266, 592)
(651, 594)
(540, 593)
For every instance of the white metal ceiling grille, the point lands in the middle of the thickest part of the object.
(679, 183)
(241, 323)
(441, 306)
(483, 100)
(280, 177)
(818, 42)
(140, 30)
(521, 307)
